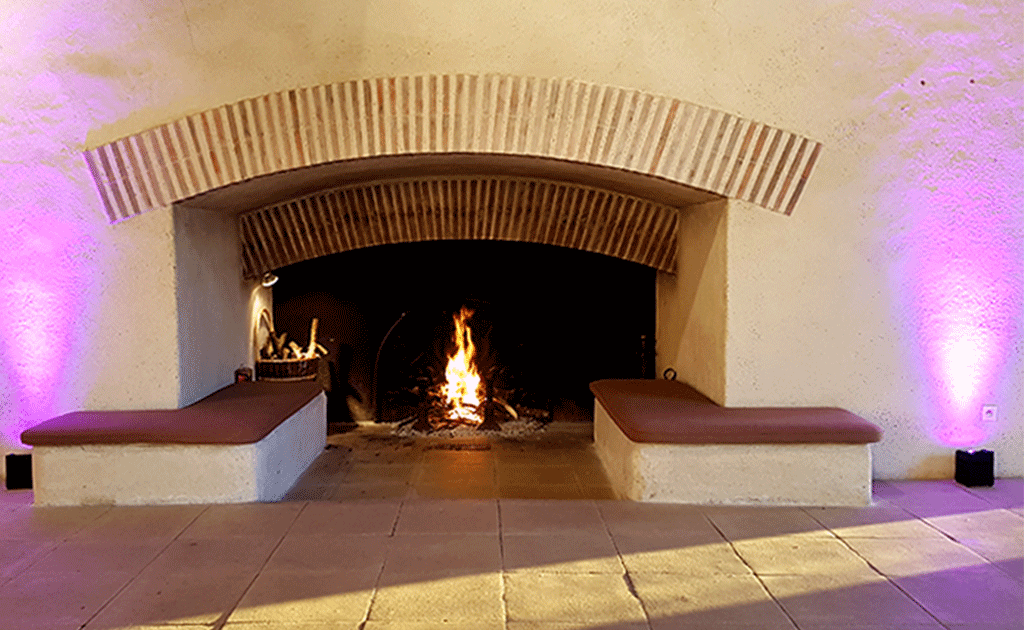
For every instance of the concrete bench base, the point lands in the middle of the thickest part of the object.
(733, 474)
(153, 474)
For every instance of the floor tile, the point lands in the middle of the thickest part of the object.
(914, 557)
(88, 557)
(10, 498)
(708, 602)
(303, 494)
(290, 625)
(54, 600)
(448, 517)
(827, 602)
(461, 598)
(882, 520)
(50, 524)
(543, 492)
(201, 597)
(632, 518)
(341, 553)
(441, 555)
(742, 523)
(393, 473)
(596, 598)
(600, 493)
(138, 523)
(582, 552)
(454, 491)
(369, 490)
(321, 596)
(247, 519)
(1005, 493)
(478, 624)
(18, 555)
(935, 498)
(519, 516)
(375, 517)
(972, 595)
(576, 625)
(790, 555)
(455, 471)
(996, 535)
(186, 556)
(652, 553)
(973, 524)
(535, 474)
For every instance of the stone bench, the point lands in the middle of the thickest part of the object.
(246, 442)
(665, 441)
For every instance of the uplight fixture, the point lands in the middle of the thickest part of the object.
(269, 279)
(975, 468)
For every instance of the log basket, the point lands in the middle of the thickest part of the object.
(284, 370)
(287, 370)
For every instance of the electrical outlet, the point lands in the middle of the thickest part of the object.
(989, 413)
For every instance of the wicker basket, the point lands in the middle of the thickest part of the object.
(287, 370)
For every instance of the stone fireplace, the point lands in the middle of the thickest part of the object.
(299, 175)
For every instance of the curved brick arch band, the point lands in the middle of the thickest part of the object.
(459, 207)
(563, 119)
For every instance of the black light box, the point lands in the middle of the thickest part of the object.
(975, 468)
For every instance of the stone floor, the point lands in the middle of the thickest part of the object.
(477, 534)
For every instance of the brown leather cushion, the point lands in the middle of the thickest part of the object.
(241, 413)
(669, 412)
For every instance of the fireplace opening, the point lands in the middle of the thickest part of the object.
(545, 321)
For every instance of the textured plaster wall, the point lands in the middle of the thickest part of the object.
(691, 335)
(213, 302)
(855, 300)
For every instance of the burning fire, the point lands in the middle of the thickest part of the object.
(462, 390)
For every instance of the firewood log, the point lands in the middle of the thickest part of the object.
(311, 348)
(278, 341)
(296, 350)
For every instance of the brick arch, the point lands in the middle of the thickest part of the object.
(561, 119)
(468, 207)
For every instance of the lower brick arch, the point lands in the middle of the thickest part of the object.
(460, 208)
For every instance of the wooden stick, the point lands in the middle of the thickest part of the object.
(311, 348)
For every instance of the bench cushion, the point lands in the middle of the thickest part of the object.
(670, 412)
(241, 413)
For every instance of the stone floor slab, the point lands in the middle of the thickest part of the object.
(582, 552)
(709, 602)
(308, 596)
(596, 598)
(463, 598)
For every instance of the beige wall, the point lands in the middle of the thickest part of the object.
(816, 313)
(214, 303)
(128, 356)
(691, 335)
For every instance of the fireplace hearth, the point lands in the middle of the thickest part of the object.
(539, 318)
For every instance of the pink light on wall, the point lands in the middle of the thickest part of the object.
(953, 198)
(963, 283)
(42, 293)
(48, 104)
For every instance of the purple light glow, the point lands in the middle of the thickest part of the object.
(964, 297)
(48, 103)
(953, 196)
(42, 294)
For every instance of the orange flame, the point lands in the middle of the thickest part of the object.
(463, 390)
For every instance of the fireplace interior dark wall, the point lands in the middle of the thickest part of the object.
(560, 317)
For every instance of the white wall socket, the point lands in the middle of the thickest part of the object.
(989, 413)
